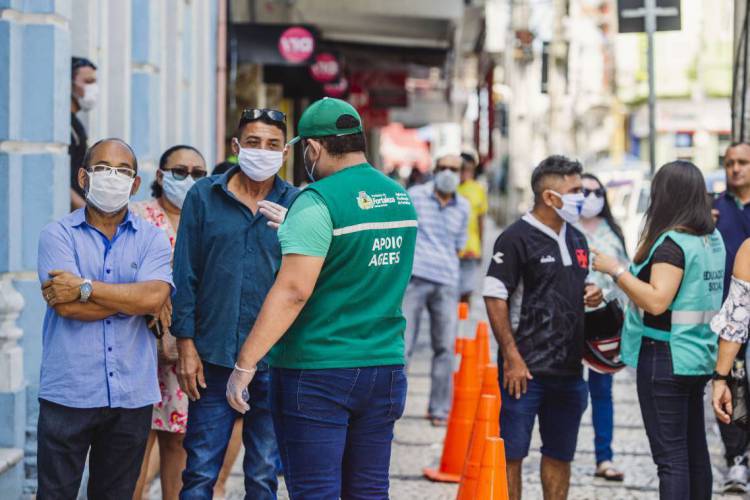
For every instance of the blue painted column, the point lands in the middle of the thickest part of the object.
(34, 180)
(145, 127)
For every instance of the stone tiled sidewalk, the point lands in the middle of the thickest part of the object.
(418, 445)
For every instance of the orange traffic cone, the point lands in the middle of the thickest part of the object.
(461, 418)
(487, 424)
(490, 382)
(463, 311)
(493, 476)
(483, 346)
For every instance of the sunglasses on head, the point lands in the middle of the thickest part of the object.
(598, 192)
(180, 173)
(252, 114)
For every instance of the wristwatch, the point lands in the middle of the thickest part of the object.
(718, 376)
(619, 272)
(86, 289)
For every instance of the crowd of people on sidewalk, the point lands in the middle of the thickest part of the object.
(236, 309)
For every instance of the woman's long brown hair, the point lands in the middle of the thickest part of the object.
(679, 201)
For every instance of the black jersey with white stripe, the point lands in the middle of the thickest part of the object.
(542, 275)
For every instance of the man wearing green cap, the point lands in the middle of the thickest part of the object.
(333, 316)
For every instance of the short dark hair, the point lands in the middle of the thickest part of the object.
(553, 166)
(222, 167)
(262, 119)
(156, 189)
(90, 150)
(77, 63)
(339, 145)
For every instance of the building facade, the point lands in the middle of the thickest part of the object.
(157, 77)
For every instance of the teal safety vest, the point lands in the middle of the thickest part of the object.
(692, 343)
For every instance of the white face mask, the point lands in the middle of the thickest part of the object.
(572, 205)
(447, 181)
(176, 190)
(90, 96)
(108, 191)
(309, 169)
(260, 164)
(592, 206)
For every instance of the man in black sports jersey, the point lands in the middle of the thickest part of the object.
(535, 292)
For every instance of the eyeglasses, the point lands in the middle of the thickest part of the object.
(252, 114)
(181, 172)
(599, 192)
(124, 171)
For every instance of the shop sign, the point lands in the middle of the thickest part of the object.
(325, 68)
(296, 44)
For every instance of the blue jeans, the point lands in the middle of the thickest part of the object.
(335, 428)
(602, 414)
(558, 401)
(441, 302)
(210, 422)
(672, 409)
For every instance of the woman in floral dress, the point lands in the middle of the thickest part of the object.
(179, 168)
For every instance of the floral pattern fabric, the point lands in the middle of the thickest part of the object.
(731, 323)
(603, 239)
(170, 414)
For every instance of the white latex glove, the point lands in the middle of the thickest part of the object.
(274, 212)
(237, 394)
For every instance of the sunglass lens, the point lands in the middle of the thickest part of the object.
(179, 174)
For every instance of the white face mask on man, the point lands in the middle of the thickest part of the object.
(259, 164)
(572, 205)
(109, 191)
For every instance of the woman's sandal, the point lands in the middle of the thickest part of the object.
(606, 470)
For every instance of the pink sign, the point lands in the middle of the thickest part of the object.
(336, 89)
(296, 44)
(325, 68)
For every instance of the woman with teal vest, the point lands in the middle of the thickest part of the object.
(675, 288)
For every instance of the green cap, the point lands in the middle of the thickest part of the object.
(322, 117)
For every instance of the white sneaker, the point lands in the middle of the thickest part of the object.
(736, 479)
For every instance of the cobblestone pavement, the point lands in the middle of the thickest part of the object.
(418, 445)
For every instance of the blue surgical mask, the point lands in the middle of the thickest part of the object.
(176, 190)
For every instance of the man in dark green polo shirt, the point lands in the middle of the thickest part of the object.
(333, 316)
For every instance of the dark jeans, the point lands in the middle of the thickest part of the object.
(117, 440)
(602, 414)
(672, 409)
(335, 428)
(210, 422)
(735, 438)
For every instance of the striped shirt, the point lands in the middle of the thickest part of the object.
(441, 234)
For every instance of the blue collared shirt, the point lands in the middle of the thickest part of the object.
(225, 262)
(110, 362)
(441, 235)
(734, 226)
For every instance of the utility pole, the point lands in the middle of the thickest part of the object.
(740, 103)
(650, 30)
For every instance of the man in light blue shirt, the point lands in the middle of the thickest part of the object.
(102, 270)
(443, 223)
